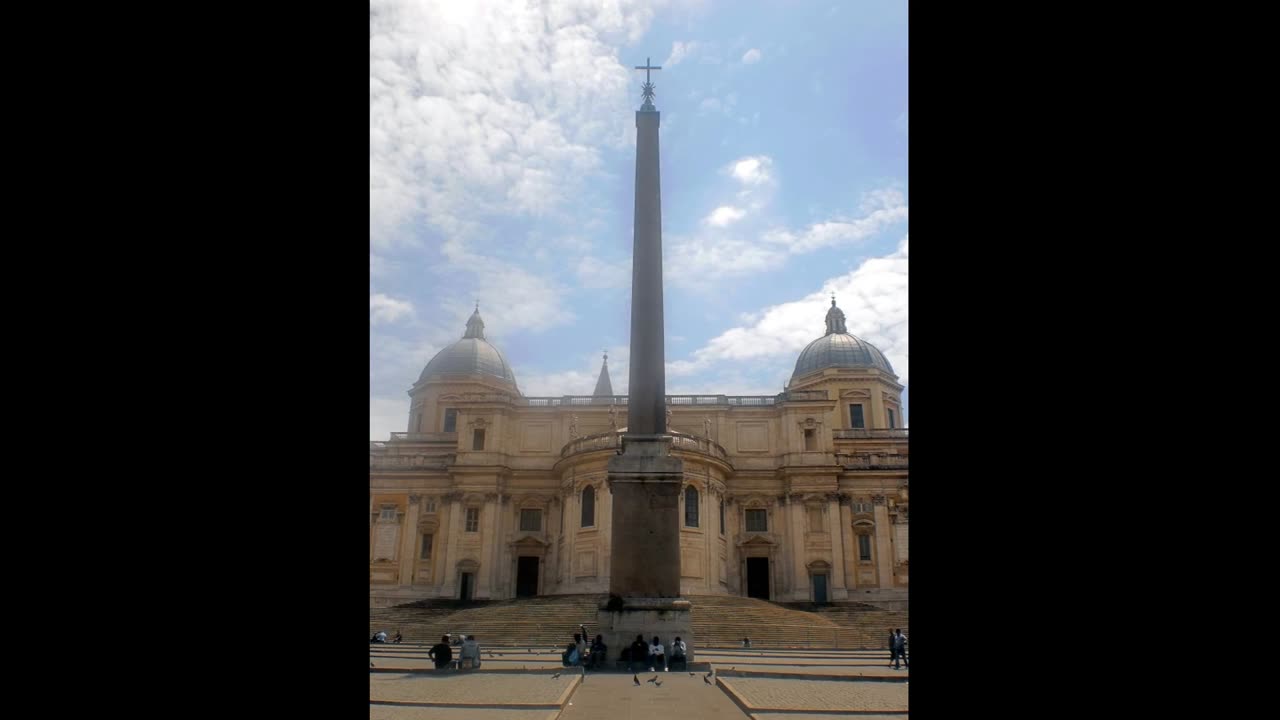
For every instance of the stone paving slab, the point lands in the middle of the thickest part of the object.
(488, 689)
(762, 694)
(614, 696)
(393, 712)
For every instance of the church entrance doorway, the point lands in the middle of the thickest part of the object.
(527, 577)
(758, 578)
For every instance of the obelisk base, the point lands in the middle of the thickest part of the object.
(668, 618)
(644, 578)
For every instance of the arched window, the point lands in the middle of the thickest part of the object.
(691, 506)
(588, 506)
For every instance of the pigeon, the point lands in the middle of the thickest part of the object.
(370, 663)
(691, 674)
(636, 680)
(553, 677)
(705, 680)
(653, 679)
(658, 684)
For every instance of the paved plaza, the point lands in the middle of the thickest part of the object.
(516, 684)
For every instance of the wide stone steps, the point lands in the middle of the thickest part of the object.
(718, 621)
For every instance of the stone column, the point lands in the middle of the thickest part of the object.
(850, 567)
(733, 562)
(604, 525)
(488, 521)
(884, 548)
(409, 543)
(799, 573)
(836, 530)
(450, 586)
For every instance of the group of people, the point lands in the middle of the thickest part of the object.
(638, 656)
(654, 654)
(381, 637)
(897, 649)
(442, 652)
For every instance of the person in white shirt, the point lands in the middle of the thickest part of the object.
(678, 650)
(657, 656)
(470, 652)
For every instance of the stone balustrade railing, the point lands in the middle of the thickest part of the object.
(611, 440)
(872, 462)
(865, 434)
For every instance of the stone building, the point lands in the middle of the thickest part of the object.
(800, 496)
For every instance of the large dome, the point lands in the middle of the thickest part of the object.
(472, 355)
(839, 349)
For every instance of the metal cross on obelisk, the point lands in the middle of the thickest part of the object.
(647, 90)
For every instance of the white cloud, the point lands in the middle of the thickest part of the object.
(724, 215)
(694, 260)
(383, 308)
(491, 106)
(581, 381)
(751, 57)
(873, 298)
(679, 51)
(751, 170)
(387, 415)
(596, 273)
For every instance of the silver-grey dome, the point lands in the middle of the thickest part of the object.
(839, 349)
(472, 355)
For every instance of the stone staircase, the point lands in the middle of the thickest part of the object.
(718, 621)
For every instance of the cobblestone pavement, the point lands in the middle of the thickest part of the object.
(803, 695)
(391, 712)
(470, 688)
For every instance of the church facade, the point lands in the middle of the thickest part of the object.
(489, 494)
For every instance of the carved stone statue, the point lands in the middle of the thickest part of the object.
(613, 418)
(669, 428)
(573, 427)
(706, 427)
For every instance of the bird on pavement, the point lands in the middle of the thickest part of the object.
(553, 677)
(652, 679)
(706, 681)
(658, 684)
(635, 679)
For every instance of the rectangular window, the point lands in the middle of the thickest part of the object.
(431, 505)
(815, 519)
(531, 520)
(721, 517)
(862, 507)
(451, 420)
(810, 439)
(473, 519)
(389, 513)
(477, 440)
(864, 548)
(757, 521)
(426, 547)
(892, 420)
(855, 417)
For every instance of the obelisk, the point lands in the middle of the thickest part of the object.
(644, 478)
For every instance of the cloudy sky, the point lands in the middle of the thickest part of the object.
(502, 161)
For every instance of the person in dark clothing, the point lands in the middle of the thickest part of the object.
(598, 652)
(893, 655)
(639, 653)
(397, 638)
(441, 653)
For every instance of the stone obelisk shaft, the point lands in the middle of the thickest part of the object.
(645, 478)
(646, 406)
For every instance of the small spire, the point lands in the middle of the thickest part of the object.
(833, 301)
(475, 326)
(604, 388)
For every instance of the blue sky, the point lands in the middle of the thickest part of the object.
(502, 157)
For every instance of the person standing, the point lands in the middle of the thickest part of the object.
(899, 648)
(893, 654)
